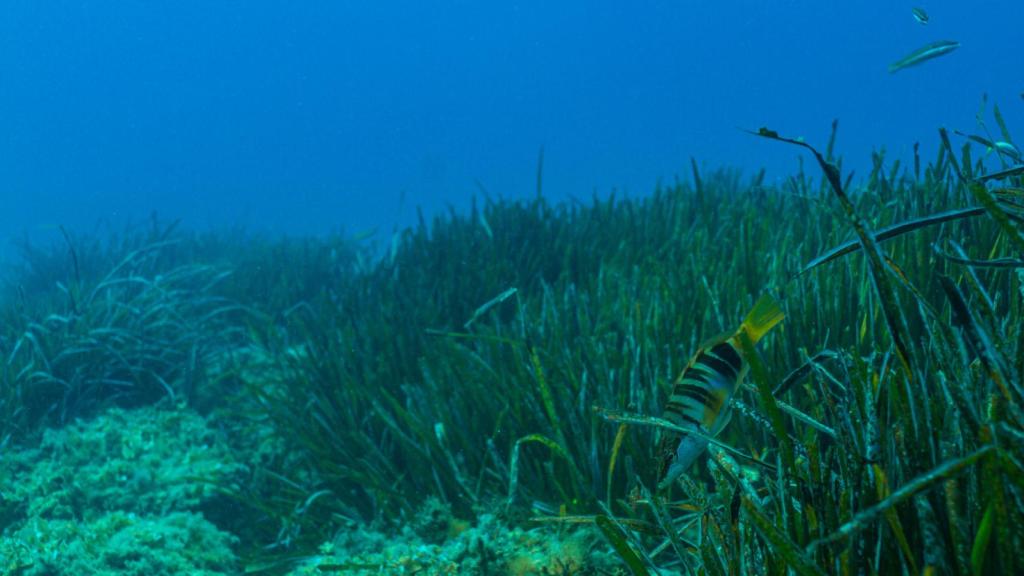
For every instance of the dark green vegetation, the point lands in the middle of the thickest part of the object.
(510, 361)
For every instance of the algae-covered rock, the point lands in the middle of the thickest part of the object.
(123, 493)
(148, 461)
(490, 547)
(434, 523)
(119, 543)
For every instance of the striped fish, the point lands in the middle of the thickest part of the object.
(701, 394)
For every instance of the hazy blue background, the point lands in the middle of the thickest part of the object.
(311, 116)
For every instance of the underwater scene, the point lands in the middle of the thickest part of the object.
(684, 290)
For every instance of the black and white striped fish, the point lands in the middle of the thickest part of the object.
(701, 394)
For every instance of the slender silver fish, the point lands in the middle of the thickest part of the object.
(920, 15)
(927, 52)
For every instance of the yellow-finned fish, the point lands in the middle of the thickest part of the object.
(701, 394)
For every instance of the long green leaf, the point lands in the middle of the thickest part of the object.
(890, 232)
(981, 540)
(894, 318)
(781, 544)
(867, 517)
(617, 538)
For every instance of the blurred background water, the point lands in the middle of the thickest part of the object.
(311, 117)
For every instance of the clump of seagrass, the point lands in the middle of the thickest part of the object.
(136, 334)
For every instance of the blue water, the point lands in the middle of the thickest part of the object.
(308, 117)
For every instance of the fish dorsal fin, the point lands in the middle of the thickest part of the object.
(715, 341)
(762, 318)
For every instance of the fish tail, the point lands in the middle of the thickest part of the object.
(690, 448)
(764, 316)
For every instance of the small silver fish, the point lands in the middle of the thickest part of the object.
(1007, 148)
(927, 52)
(920, 15)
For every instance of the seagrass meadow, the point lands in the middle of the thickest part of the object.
(482, 393)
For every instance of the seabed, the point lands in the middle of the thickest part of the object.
(483, 393)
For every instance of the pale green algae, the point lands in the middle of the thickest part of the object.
(119, 543)
(123, 493)
(435, 544)
(144, 461)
